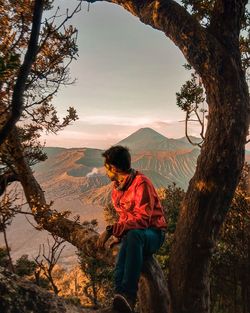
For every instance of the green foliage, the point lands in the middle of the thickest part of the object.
(73, 300)
(57, 48)
(99, 276)
(24, 266)
(98, 287)
(4, 259)
(230, 266)
(42, 282)
(202, 10)
(8, 64)
(171, 198)
(190, 96)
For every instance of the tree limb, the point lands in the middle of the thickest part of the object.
(18, 91)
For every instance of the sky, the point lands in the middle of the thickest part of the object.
(126, 74)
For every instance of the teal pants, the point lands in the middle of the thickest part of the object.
(136, 246)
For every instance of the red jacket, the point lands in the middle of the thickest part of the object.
(138, 206)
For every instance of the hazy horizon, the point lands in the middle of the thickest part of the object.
(112, 143)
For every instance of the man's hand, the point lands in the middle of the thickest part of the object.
(102, 239)
(114, 241)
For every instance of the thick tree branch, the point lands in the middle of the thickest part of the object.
(19, 88)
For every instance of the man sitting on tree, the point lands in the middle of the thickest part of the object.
(140, 228)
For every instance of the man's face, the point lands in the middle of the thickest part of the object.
(111, 172)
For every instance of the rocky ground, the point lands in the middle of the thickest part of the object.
(21, 296)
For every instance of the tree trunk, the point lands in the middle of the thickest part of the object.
(211, 189)
(153, 292)
(11, 266)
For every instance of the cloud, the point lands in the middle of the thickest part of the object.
(119, 120)
(103, 131)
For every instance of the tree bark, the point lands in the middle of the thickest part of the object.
(11, 266)
(153, 292)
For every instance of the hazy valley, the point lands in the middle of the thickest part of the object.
(74, 179)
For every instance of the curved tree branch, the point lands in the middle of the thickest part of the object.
(19, 88)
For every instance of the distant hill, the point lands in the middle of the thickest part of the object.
(149, 139)
(75, 179)
(80, 171)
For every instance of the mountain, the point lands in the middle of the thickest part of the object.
(80, 171)
(149, 139)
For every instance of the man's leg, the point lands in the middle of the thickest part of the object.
(119, 267)
(136, 246)
(135, 241)
(140, 244)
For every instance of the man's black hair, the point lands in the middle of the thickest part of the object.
(119, 157)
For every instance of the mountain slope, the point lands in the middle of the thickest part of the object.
(74, 179)
(149, 139)
(80, 171)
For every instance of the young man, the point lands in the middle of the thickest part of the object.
(140, 228)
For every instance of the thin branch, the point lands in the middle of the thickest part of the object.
(15, 44)
(186, 132)
(69, 16)
(8, 250)
(17, 99)
(201, 123)
(34, 226)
